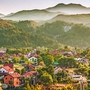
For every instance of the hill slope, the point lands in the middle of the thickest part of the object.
(65, 33)
(36, 15)
(31, 34)
(11, 36)
(78, 18)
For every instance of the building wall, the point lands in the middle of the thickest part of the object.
(7, 79)
(16, 81)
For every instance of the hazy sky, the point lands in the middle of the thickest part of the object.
(11, 6)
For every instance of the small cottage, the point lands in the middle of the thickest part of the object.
(12, 79)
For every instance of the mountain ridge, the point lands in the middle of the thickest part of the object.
(48, 13)
(69, 8)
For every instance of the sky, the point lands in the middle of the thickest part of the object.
(12, 6)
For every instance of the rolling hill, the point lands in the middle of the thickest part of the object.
(36, 15)
(77, 19)
(66, 33)
(52, 35)
(13, 36)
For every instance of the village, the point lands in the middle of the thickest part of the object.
(55, 69)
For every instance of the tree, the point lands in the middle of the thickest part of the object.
(39, 59)
(48, 60)
(16, 59)
(50, 70)
(23, 71)
(82, 69)
(67, 62)
(27, 87)
(46, 78)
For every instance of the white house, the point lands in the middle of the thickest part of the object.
(33, 59)
(6, 69)
(79, 78)
(57, 69)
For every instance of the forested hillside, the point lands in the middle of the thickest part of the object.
(77, 18)
(31, 34)
(12, 36)
(66, 33)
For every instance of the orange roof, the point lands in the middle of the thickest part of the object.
(15, 74)
(31, 73)
(7, 68)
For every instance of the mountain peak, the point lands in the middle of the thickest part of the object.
(70, 4)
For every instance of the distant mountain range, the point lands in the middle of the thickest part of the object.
(36, 15)
(48, 13)
(69, 8)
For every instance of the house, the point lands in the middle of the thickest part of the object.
(30, 74)
(33, 59)
(12, 79)
(11, 65)
(68, 54)
(55, 52)
(33, 54)
(79, 78)
(29, 67)
(57, 69)
(6, 69)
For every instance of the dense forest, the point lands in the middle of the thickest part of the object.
(15, 34)
(32, 34)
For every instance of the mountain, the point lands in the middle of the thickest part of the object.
(12, 36)
(48, 13)
(69, 8)
(2, 15)
(66, 33)
(36, 15)
(78, 18)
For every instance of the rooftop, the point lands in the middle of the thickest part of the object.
(7, 68)
(15, 74)
(31, 73)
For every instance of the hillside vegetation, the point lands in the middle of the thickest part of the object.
(30, 33)
(36, 15)
(77, 19)
(12, 36)
(66, 33)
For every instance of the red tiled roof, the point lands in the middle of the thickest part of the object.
(15, 74)
(7, 68)
(10, 65)
(31, 73)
